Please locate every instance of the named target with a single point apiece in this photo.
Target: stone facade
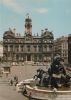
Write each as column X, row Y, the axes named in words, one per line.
column 57, row 47
column 69, row 49
column 61, row 48
column 17, row 48
column 1, row 49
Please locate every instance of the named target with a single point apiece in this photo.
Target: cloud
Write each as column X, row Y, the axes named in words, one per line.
column 13, row 5
column 41, row 10
column 17, row 6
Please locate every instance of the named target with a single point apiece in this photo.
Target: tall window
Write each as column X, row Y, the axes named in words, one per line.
column 6, row 48
column 17, row 57
column 48, row 49
column 17, row 48
column 39, row 48
column 45, row 48
column 28, row 48
column 35, row 48
column 22, row 48
column 11, row 48
column 35, row 58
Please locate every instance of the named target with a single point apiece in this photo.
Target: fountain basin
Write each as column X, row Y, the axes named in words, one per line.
column 43, row 94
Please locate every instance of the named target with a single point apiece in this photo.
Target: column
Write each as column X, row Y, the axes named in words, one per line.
column 26, row 57
column 37, row 48
column 8, row 48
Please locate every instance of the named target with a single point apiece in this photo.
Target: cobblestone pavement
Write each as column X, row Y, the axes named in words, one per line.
column 8, row 92
column 23, row 72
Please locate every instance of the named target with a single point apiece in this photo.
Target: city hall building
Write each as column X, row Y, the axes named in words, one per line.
column 28, row 48
column 69, row 49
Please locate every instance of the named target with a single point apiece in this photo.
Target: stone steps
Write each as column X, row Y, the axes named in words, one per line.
column 4, row 81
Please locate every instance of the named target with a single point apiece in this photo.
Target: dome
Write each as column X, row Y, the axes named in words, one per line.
column 28, row 19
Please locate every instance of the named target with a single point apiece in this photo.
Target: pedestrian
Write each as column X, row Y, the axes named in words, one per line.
column 15, row 82
column 11, row 82
column 15, row 78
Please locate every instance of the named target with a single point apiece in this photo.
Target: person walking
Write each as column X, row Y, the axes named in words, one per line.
column 15, row 80
column 11, row 82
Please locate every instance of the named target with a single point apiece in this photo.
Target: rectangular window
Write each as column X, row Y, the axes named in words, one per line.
column 28, row 48
column 22, row 48
column 17, row 48
column 11, row 48
column 39, row 47
column 35, row 48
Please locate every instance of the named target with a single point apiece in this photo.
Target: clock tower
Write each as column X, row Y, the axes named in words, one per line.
column 28, row 25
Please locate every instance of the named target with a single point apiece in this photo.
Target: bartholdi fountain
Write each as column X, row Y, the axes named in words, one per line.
column 51, row 84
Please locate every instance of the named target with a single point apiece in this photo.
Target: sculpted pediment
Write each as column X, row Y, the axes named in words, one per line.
column 8, row 36
column 28, row 37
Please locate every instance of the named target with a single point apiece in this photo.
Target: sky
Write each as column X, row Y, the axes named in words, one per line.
column 52, row 14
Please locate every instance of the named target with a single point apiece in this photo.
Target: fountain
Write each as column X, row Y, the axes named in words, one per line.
column 52, row 83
